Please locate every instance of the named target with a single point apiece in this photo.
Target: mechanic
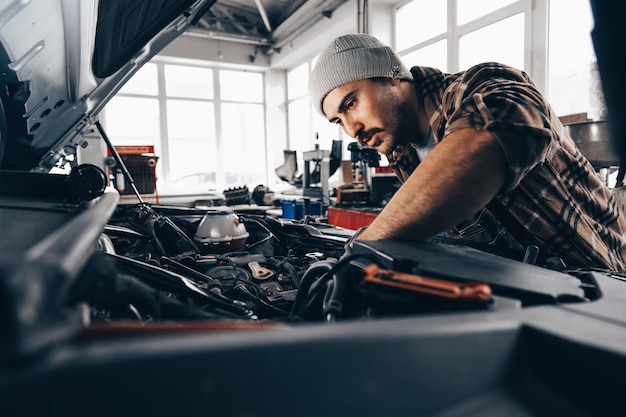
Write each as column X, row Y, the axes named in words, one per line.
column 480, row 153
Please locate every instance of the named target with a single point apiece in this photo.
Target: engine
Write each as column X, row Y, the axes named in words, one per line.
column 172, row 264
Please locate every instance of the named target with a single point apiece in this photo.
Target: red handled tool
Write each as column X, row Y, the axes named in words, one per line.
column 466, row 291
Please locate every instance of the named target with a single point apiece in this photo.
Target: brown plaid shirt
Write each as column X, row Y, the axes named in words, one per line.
column 552, row 197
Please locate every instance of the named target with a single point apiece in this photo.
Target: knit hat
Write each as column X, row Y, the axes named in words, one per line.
column 350, row 58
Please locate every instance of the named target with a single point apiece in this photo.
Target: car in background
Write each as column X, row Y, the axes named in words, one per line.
column 142, row 309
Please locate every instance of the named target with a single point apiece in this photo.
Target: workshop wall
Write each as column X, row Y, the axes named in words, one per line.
column 228, row 53
column 348, row 18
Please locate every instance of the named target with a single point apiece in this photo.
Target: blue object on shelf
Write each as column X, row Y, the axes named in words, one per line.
column 294, row 209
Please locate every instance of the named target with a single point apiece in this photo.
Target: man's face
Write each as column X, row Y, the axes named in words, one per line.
column 370, row 111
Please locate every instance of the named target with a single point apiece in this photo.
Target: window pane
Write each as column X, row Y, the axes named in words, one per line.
column 243, row 133
column 133, row 121
column 419, row 21
column 434, row 55
column 241, row 86
column 468, row 10
column 301, row 137
column 473, row 50
column 193, row 82
column 192, row 148
column 143, row 82
column 573, row 80
column 297, row 81
column 327, row 132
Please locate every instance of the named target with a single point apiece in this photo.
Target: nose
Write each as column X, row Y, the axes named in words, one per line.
column 352, row 127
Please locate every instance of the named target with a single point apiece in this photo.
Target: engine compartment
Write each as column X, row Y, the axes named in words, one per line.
column 153, row 249
column 149, row 267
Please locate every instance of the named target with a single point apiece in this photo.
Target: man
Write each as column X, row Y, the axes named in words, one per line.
column 480, row 153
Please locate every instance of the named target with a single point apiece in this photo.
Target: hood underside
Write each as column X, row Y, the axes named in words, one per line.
column 62, row 60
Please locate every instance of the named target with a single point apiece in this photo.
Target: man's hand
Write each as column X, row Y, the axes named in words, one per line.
column 458, row 178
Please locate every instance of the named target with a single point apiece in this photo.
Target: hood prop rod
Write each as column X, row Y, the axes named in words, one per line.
column 118, row 161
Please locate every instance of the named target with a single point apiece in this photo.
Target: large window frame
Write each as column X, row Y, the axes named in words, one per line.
column 547, row 43
column 535, row 13
column 222, row 179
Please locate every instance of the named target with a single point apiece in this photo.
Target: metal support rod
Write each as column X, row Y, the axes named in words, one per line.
column 118, row 160
column 266, row 21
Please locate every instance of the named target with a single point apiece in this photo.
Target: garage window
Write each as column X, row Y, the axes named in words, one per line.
column 306, row 127
column 549, row 39
column 193, row 115
column 455, row 34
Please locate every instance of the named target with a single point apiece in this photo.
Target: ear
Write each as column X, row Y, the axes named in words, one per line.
column 395, row 81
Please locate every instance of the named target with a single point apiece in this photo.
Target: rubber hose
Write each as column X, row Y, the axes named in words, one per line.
column 336, row 293
column 314, row 272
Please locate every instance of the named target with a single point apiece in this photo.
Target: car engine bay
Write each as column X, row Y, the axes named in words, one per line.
column 156, row 263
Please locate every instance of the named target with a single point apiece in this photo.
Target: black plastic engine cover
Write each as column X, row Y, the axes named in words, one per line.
column 446, row 259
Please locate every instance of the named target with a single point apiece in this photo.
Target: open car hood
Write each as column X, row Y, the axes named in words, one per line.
column 73, row 57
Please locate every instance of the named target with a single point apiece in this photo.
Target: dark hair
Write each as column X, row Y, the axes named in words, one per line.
column 380, row 79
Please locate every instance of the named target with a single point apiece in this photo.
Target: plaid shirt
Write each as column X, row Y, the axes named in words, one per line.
column 552, row 197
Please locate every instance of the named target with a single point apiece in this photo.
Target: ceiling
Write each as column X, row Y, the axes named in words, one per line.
column 269, row 24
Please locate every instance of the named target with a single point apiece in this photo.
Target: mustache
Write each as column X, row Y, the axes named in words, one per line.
column 364, row 135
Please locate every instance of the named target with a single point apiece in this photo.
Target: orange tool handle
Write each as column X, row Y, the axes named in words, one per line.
column 469, row 291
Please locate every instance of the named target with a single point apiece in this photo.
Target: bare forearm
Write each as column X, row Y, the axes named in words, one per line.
column 459, row 177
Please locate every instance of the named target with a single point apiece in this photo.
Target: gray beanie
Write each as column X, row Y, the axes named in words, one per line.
column 350, row 58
